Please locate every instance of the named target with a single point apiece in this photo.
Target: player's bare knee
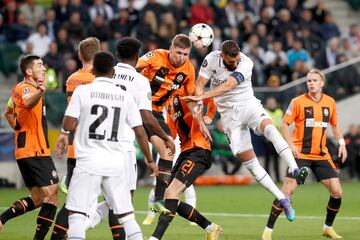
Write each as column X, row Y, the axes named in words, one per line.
column 336, row 193
column 264, row 123
column 246, row 155
column 50, row 194
column 172, row 193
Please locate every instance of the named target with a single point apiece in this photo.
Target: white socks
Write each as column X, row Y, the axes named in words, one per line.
column 76, row 226
column 102, row 211
column 281, row 146
column 263, row 177
column 190, row 196
column 151, row 200
column 131, row 227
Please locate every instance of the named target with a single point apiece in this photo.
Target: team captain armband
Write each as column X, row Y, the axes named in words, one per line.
column 238, row 77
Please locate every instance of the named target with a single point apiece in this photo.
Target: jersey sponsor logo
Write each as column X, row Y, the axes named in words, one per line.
column 310, row 122
column 205, row 63
column 26, row 90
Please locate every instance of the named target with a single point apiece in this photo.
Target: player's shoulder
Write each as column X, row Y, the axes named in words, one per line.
column 300, row 99
column 24, row 88
column 213, row 59
column 328, row 99
column 156, row 54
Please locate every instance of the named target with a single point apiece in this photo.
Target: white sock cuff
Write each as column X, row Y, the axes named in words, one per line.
column 127, row 218
column 76, row 226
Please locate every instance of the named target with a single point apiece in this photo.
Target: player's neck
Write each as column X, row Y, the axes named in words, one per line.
column 30, row 80
column 315, row 96
column 87, row 65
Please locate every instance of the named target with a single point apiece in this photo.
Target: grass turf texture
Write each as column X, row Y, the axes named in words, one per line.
column 248, row 206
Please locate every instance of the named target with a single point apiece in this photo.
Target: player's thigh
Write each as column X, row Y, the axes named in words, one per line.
column 255, row 114
column 131, row 166
column 117, row 193
column 239, row 138
column 323, row 170
column 160, row 147
column 191, row 164
column 84, row 189
column 38, row 171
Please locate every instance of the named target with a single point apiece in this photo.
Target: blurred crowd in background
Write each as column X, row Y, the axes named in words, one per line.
column 284, row 38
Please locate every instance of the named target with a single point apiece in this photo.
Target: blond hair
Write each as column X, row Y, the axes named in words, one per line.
column 318, row 72
column 88, row 47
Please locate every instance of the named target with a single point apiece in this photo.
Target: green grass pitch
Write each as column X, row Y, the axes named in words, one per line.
column 241, row 211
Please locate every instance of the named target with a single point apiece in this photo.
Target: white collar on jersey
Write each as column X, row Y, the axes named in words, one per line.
column 125, row 65
column 104, row 79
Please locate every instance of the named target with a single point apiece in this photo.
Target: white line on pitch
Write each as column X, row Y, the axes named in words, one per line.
column 249, row 215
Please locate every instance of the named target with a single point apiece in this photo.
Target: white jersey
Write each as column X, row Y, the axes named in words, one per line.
column 102, row 111
column 214, row 69
column 138, row 86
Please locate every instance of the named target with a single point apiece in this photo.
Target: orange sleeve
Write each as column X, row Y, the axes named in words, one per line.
column 211, row 107
column 291, row 112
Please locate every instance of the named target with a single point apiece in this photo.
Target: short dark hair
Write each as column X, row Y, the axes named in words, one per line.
column 103, row 63
column 127, row 48
column 181, row 41
column 230, row 48
column 27, row 61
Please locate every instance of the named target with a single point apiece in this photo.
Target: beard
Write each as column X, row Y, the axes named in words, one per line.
column 229, row 67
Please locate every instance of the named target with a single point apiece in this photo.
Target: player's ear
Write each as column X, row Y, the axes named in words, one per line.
column 28, row 71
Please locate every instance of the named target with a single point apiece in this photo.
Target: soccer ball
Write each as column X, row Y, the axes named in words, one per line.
column 201, row 35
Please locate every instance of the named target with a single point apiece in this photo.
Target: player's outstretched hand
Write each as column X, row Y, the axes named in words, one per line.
column 342, row 153
column 41, row 85
column 153, row 168
column 192, row 98
column 205, row 131
column 294, row 151
column 61, row 145
column 171, row 146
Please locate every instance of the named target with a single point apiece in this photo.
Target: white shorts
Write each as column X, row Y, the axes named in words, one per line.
column 237, row 121
column 85, row 187
column 131, row 165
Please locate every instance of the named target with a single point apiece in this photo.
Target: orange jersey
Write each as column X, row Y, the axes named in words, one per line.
column 164, row 78
column 181, row 121
column 31, row 131
column 311, row 121
column 80, row 77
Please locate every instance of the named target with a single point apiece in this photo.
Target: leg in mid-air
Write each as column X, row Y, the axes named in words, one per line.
column 288, row 188
column 190, row 164
column 268, row 129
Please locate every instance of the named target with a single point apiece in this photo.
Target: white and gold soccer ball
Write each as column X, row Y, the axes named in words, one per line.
column 201, row 35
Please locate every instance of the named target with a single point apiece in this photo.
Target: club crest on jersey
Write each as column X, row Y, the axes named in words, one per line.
column 326, row 112
column 150, row 54
column 26, row 90
column 179, row 78
column 205, row 63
